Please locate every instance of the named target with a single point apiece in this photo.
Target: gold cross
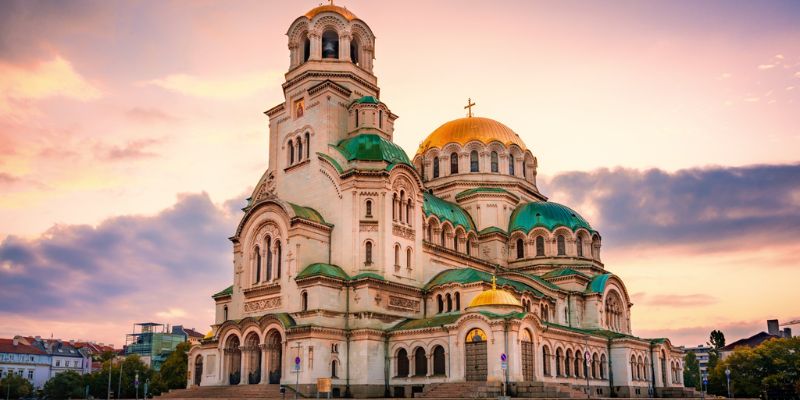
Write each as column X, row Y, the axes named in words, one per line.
column 494, row 282
column 469, row 107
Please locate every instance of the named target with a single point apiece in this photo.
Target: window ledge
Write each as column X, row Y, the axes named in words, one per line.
column 297, row 165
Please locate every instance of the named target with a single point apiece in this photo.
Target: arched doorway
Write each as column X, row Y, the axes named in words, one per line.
column 274, row 356
column 663, row 368
column 233, row 360
column 439, row 361
column 198, row 370
column 253, row 358
column 475, row 355
column 527, row 358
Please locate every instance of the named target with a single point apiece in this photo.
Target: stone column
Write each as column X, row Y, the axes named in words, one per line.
column 242, row 367
column 315, row 40
column 430, row 364
column 264, row 376
column 344, row 47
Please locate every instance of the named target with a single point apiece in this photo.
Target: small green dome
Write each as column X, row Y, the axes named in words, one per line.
column 372, row 147
column 546, row 214
column 366, row 100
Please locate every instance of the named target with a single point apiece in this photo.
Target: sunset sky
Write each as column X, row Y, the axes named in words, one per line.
column 131, row 133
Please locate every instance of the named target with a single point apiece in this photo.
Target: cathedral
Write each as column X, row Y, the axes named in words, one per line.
column 445, row 274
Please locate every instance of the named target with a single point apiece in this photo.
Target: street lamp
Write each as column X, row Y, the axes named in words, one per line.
column 728, row 376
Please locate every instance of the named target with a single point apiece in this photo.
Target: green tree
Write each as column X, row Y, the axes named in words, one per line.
column 15, row 386
column 769, row 370
column 130, row 367
column 716, row 341
column 691, row 371
column 65, row 385
column 173, row 371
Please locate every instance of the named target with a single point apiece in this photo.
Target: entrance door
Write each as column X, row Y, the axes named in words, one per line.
column 475, row 356
column 527, row 355
column 198, row 370
column 275, row 356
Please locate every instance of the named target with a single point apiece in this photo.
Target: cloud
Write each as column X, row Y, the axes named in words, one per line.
column 148, row 115
column 131, row 151
column 693, row 207
column 766, row 66
column 42, row 80
column 216, row 88
column 126, row 269
column 675, row 300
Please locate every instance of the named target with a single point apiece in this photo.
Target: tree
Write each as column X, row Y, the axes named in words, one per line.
column 65, row 385
column 691, row 371
column 769, row 370
column 173, row 370
column 15, row 386
column 130, row 367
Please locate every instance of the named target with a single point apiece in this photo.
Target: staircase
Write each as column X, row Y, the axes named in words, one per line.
column 542, row 390
column 225, row 392
column 680, row 392
column 462, row 390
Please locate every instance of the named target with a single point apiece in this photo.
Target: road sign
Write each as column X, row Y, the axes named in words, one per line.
column 503, row 357
column 588, row 357
column 705, row 381
column 504, row 365
column 727, row 372
column 297, row 360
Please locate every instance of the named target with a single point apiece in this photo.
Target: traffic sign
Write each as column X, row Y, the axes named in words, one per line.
column 503, row 357
column 297, row 360
column 504, row 365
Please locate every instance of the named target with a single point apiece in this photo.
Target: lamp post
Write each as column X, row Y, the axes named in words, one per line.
column 136, row 384
column 728, row 376
column 119, row 382
column 108, row 392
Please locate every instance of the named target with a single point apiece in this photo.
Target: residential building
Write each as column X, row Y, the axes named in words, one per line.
column 152, row 342
column 28, row 361
column 190, row 334
column 701, row 352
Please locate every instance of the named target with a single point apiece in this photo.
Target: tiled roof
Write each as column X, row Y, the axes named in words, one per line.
column 322, row 269
column 224, row 292
column 598, row 283
column 469, row 275
column 193, row 333
column 372, row 147
column 751, row 341
column 308, row 213
column 557, row 273
column 7, row 346
column 446, row 211
column 545, row 214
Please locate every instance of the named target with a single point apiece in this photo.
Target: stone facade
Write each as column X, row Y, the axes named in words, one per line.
column 363, row 263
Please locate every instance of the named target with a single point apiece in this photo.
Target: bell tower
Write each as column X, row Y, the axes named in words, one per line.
column 331, row 54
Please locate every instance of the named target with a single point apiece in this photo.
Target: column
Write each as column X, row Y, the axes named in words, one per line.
column 264, row 376
column 429, row 355
column 344, row 47
column 242, row 367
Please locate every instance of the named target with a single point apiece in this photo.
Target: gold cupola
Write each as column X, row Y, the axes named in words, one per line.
column 495, row 298
column 469, row 129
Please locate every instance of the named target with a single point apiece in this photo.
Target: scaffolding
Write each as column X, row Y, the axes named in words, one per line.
column 153, row 342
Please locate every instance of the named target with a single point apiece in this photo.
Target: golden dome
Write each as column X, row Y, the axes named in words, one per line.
column 209, row 335
column 495, row 297
column 465, row 130
column 331, row 8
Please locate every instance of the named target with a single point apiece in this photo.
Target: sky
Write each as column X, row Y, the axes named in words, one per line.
column 131, row 132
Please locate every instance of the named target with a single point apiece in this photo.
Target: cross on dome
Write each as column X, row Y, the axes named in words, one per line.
column 469, row 106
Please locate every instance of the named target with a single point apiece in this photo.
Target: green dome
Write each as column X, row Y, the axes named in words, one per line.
column 547, row 215
column 372, row 147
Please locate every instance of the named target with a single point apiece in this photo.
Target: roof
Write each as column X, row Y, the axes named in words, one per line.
column 372, row 147
column 224, row 292
column 446, row 211
column 492, row 229
column 557, row 273
column 7, row 346
column 193, row 333
column 330, row 8
column 545, row 214
column 448, row 318
column 494, row 297
column 598, row 283
column 322, row 269
column 484, row 190
column 308, row 213
column 470, row 275
column 465, row 130
column 594, row 332
column 366, row 100
column 372, row 275
column 752, row 341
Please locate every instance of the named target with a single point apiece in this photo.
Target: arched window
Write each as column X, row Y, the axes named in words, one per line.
column 394, row 207
column 268, row 275
column 308, row 145
column 430, row 232
column 546, row 360
column 438, row 361
column 354, row 46
column 458, row 301
column 511, row 165
column 633, row 368
column 380, row 119
column 369, row 208
column 304, row 301
column 368, row 253
column 330, row 44
column 579, row 244
column 614, row 312
column 400, row 205
column 577, row 361
column 443, row 239
column 299, row 149
column 409, row 257
column 539, row 246
column 603, row 366
column 291, row 152
column 520, row 249
column 495, row 166
column 258, row 265
column 455, row 243
column 333, row 369
column 440, row 303
column 402, row 363
column 357, row 113
column 476, row 335
column 449, row 302
column 473, row 161
column 559, row 360
column 408, row 211
column 225, row 313
column 568, row 363
column 279, row 256
column 561, row 245
column 306, row 49
column 469, row 246
column 453, row 164
column 420, row 362
column 524, row 170
column 435, row 167
column 397, row 255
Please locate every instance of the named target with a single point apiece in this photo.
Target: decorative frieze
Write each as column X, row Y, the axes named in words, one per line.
column 403, row 304
column 368, row 226
column 403, row 231
column 260, row 305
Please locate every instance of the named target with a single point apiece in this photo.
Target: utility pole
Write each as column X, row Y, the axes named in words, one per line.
column 119, row 382
column 297, row 361
column 108, row 392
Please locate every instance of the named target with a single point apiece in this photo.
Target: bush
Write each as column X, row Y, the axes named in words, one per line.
column 65, row 385
column 15, row 386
